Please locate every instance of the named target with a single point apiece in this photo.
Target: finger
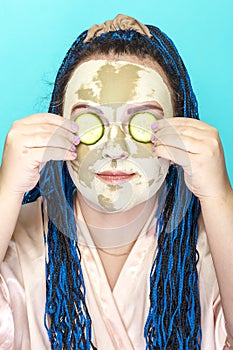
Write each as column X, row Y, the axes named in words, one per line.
column 48, row 118
column 175, row 155
column 45, row 140
column 44, row 154
column 184, row 143
column 180, row 121
column 41, row 166
column 190, row 131
column 46, row 130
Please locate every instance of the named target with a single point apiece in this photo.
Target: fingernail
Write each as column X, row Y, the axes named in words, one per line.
column 74, row 127
column 154, row 146
column 73, row 147
column 154, row 141
column 152, row 137
column 154, row 125
column 74, row 154
column 76, row 140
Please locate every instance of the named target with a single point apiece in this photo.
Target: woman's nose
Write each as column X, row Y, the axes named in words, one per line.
column 115, row 147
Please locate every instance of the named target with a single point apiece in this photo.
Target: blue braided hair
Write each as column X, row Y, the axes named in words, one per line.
column 173, row 320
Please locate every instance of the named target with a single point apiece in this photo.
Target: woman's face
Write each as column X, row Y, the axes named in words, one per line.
column 117, row 172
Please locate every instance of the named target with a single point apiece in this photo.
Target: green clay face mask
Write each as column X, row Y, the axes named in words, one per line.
column 108, row 82
column 114, row 101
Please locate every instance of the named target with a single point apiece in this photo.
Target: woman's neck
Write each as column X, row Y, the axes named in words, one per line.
column 111, row 230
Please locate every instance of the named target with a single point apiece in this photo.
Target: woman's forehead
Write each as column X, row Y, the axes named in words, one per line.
column 104, row 81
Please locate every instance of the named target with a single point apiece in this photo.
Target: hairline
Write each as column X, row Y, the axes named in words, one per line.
column 142, row 60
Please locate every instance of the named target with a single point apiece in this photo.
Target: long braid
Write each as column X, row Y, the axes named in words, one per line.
column 174, row 316
column 66, row 312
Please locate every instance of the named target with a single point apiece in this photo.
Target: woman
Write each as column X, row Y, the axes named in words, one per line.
column 128, row 265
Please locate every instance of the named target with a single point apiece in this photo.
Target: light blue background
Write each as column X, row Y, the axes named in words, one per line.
column 35, row 35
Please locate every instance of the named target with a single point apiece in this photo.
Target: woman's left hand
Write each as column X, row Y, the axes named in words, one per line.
column 195, row 146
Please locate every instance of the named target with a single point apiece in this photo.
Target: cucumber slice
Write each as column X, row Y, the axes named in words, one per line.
column 91, row 128
column 140, row 126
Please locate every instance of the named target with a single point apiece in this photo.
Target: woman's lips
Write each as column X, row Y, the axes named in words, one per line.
column 115, row 177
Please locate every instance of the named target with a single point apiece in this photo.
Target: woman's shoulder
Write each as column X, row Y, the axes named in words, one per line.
column 27, row 242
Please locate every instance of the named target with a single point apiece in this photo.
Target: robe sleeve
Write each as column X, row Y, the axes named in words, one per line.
column 220, row 329
column 6, row 318
column 214, row 334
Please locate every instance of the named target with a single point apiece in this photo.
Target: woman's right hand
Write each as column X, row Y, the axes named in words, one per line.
column 30, row 143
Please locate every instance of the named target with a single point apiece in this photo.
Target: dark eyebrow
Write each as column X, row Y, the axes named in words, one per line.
column 144, row 107
column 78, row 106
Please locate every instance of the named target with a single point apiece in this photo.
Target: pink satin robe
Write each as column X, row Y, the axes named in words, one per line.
column 118, row 316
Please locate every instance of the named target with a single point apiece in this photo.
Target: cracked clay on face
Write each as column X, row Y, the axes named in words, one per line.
column 116, row 173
